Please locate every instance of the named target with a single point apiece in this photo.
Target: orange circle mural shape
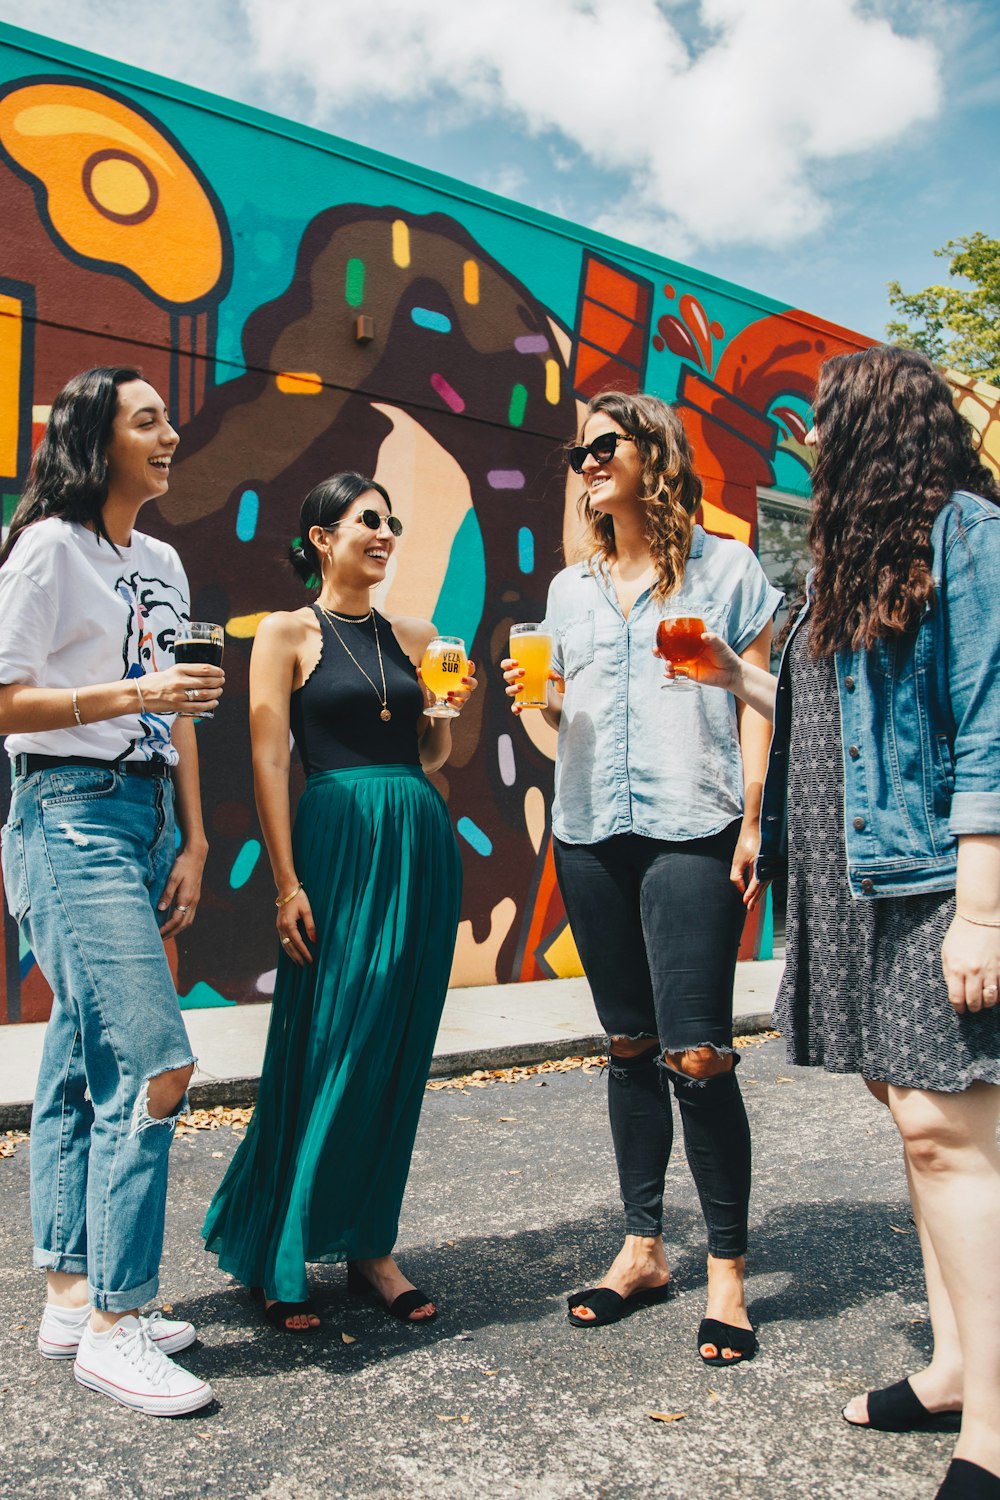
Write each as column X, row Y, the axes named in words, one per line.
column 116, row 189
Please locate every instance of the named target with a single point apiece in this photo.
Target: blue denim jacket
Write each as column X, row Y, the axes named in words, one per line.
column 920, row 725
column 633, row 756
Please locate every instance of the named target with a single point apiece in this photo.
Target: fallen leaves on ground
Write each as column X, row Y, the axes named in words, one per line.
column 667, row 1416
column 481, row 1078
column 348, row 1338
column 223, row 1116
column 219, row 1117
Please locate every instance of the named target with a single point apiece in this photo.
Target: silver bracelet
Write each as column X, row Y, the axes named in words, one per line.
column 142, row 706
column 974, row 921
column 76, row 708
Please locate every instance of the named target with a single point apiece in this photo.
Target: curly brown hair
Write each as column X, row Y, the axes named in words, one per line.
column 891, row 450
column 670, row 489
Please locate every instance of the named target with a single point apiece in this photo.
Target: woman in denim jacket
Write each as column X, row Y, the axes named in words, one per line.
column 102, row 745
column 884, row 788
column 655, row 830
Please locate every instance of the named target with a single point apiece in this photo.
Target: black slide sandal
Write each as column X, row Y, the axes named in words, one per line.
column 609, row 1306
column 897, row 1408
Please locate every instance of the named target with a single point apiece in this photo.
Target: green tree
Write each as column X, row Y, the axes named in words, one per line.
column 956, row 325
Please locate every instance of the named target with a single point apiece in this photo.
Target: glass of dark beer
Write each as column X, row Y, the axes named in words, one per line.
column 199, row 641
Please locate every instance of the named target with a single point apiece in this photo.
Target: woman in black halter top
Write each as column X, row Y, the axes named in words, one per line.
column 368, row 886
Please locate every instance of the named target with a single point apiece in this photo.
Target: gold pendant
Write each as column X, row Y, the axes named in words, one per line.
column 385, row 716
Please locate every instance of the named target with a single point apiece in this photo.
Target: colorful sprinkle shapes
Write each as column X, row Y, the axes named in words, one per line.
column 299, row 382
column 552, row 382
column 505, row 479
column 354, row 282
column 526, row 550
column 518, row 405
column 246, row 515
column 505, row 760
column 532, row 343
column 474, row 836
column 425, row 317
column 244, row 864
column 470, row 282
column 401, row 242
column 448, row 393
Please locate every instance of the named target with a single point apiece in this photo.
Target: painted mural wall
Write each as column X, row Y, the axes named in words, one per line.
column 306, row 306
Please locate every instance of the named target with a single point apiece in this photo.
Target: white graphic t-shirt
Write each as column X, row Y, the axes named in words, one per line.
column 75, row 611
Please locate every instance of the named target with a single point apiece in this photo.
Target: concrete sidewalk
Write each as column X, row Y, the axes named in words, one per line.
column 488, row 1026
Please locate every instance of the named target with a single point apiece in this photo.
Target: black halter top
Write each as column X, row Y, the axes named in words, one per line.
column 335, row 714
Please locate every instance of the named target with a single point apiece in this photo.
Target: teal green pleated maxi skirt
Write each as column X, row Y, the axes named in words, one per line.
column 321, row 1172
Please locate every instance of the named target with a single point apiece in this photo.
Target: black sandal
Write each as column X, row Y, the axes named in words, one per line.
column 741, row 1342
column 609, row 1306
column 277, row 1313
column 898, row 1408
column 400, row 1307
column 968, row 1481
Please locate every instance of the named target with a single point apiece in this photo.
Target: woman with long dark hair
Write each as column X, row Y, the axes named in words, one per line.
column 884, row 791
column 96, row 716
column 655, row 830
column 368, row 884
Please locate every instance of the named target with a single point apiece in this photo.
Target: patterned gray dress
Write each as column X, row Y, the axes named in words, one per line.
column 862, row 990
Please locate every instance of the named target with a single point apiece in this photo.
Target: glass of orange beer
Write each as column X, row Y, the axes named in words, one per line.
column 531, row 648
column 442, row 667
column 678, row 640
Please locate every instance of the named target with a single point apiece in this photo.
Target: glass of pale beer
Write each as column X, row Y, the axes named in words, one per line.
column 531, row 648
column 442, row 667
column 679, row 641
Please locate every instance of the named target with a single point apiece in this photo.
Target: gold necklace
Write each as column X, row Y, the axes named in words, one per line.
column 385, row 715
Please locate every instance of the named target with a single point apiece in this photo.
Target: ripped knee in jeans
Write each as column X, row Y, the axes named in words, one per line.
column 169, row 1096
column 699, row 1064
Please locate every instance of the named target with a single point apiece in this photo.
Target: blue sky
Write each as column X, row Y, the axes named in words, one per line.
column 809, row 149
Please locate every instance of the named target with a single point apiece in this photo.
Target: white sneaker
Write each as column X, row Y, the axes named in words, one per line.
column 126, row 1365
column 62, row 1328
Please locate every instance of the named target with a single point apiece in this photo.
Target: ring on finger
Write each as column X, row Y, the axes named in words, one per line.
column 181, row 908
column 286, row 941
column 990, row 989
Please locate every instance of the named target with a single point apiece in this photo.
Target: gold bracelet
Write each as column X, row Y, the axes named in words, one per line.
column 76, row 708
column 284, row 900
column 974, row 921
column 142, row 706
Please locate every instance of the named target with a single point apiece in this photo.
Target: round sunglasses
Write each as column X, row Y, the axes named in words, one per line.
column 601, row 450
column 373, row 521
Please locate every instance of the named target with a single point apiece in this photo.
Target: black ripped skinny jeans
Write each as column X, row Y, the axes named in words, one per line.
column 657, row 925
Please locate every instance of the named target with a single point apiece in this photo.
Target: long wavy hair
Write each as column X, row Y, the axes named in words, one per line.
column 69, row 472
column 325, row 503
column 669, row 487
column 891, row 449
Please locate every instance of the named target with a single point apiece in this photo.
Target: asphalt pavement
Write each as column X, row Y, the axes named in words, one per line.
column 512, row 1203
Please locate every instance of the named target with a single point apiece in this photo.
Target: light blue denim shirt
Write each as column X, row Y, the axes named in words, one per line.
column 634, row 756
column 920, row 725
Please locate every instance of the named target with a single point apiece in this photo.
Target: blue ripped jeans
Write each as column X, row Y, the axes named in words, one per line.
column 657, row 926
column 86, row 855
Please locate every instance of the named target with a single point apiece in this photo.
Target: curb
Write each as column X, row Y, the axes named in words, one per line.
column 241, row 1093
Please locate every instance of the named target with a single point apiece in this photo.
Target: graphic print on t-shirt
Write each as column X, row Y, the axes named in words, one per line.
column 155, row 609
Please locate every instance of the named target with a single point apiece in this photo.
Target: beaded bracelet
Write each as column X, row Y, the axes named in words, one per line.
column 284, row 900
column 975, row 922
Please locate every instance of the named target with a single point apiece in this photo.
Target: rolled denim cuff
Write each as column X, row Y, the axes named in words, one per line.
column 123, row 1302
column 57, row 1260
column 974, row 812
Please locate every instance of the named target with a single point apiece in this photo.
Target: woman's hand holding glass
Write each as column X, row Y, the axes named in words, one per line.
column 191, row 690
column 716, row 666
column 513, row 676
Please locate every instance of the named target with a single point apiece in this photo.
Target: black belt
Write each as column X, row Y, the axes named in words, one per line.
column 26, row 765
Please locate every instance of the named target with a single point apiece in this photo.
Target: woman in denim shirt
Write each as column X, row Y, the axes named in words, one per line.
column 655, row 829
column 884, row 786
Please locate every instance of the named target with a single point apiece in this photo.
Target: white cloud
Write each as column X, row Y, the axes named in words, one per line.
column 709, row 145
